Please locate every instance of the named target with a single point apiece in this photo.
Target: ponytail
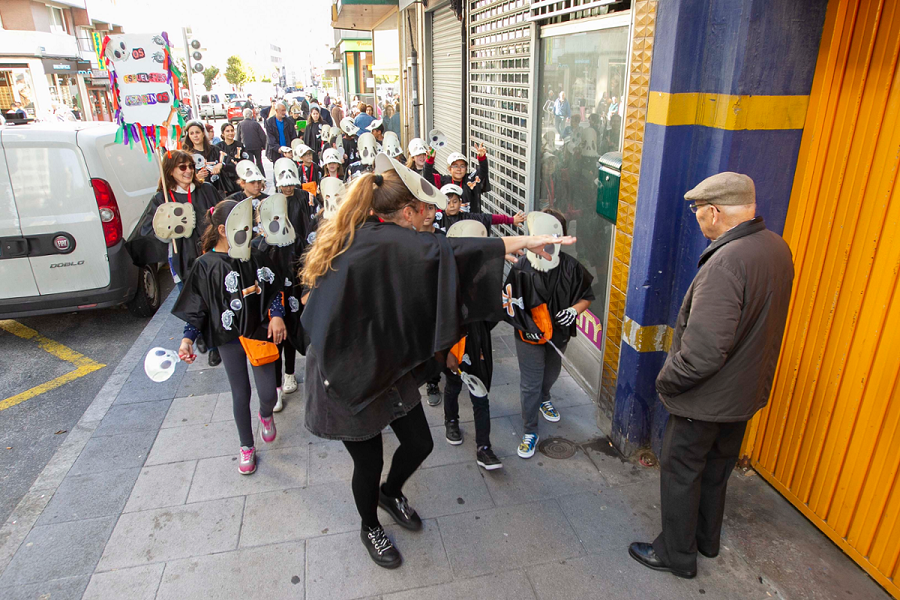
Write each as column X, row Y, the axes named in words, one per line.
column 218, row 215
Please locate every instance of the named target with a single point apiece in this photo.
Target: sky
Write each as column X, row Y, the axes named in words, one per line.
column 302, row 28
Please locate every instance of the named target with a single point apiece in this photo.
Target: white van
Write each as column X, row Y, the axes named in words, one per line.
column 69, row 198
column 213, row 106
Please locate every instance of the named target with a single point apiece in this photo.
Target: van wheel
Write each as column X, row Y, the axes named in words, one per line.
column 147, row 297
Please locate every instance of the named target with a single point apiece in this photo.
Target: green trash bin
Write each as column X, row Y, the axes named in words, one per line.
column 609, row 168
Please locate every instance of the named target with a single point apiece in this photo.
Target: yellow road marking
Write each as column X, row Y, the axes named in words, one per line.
column 83, row 364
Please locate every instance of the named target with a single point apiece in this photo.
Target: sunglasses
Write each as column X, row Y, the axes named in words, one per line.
column 185, row 167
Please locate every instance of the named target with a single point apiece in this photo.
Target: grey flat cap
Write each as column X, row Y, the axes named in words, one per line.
column 724, row 189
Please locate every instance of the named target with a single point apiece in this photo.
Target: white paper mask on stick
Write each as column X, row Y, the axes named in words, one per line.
column 332, row 194
column 248, row 171
column 541, row 223
column 286, row 172
column 368, row 148
column 475, row 385
column 392, row 145
column 436, row 139
column 159, row 364
column 173, row 220
column 467, row 229
column 199, row 162
column 273, row 221
column 238, row 229
column 117, row 50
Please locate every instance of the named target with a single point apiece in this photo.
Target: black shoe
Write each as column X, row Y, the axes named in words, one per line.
column 214, row 359
column 646, row 555
column 487, row 460
column 453, row 434
column 708, row 554
column 400, row 509
column 201, row 345
column 434, row 394
column 380, row 547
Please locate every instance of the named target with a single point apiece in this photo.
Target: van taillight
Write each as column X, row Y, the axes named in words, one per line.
column 109, row 212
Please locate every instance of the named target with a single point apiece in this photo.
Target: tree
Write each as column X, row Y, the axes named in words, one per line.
column 236, row 73
column 209, row 76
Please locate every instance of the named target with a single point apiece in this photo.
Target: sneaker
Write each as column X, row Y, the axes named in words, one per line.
column 453, row 434
column 380, row 548
column 290, row 384
column 434, row 394
column 550, row 413
column 247, row 464
column 214, row 359
column 487, row 460
column 268, row 429
column 279, row 404
column 526, row 448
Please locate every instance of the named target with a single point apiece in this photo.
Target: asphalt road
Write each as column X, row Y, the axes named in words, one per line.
column 31, row 431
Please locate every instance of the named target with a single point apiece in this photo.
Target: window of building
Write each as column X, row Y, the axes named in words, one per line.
column 57, row 20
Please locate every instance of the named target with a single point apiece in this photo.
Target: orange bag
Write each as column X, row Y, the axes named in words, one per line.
column 310, row 187
column 541, row 316
column 259, row 352
column 459, row 349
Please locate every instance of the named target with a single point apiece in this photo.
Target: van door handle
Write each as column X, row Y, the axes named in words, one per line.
column 13, row 247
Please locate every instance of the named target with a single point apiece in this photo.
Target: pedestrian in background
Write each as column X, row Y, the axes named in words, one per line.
column 251, row 137
column 719, row 370
column 363, row 119
column 281, row 130
column 561, row 111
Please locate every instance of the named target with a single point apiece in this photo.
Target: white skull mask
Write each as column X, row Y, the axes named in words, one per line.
column 331, row 156
column 325, row 133
column 199, row 163
column 589, row 142
column 332, row 195
column 239, row 230
column 299, row 149
column 475, row 385
column 286, row 172
column 417, row 146
column 159, row 364
column 392, row 145
column 348, row 126
column 274, row 223
column 436, row 139
column 248, row 171
column 368, row 148
column 173, row 220
column 541, row 223
column 117, row 50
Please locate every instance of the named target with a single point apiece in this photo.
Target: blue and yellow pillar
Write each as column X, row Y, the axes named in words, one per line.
column 728, row 91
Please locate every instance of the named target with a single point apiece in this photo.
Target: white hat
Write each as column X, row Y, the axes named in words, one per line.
column 348, row 126
column 248, row 171
column 374, row 125
column 415, row 183
column 452, row 188
column 417, row 146
column 331, row 156
column 467, row 228
column 455, row 156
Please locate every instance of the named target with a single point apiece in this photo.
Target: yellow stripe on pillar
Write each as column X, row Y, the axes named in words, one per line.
column 652, row 338
column 724, row 111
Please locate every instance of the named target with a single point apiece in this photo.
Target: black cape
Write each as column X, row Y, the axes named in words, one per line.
column 226, row 298
column 478, row 358
column 147, row 249
column 392, row 300
column 558, row 288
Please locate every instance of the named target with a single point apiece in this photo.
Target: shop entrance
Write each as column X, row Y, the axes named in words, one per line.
column 100, row 104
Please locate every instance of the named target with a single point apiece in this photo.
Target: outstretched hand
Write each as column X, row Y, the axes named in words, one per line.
column 519, row 218
column 537, row 243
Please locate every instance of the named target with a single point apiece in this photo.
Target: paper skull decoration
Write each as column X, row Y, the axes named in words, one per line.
column 299, row 149
column 541, row 223
column 392, row 145
column 199, row 163
column 273, row 221
column 159, row 364
column 331, row 156
column 325, row 134
column 286, row 172
column 336, row 134
column 348, row 127
column 368, row 148
column 332, row 194
column 248, row 171
column 117, row 50
column 173, row 220
column 239, row 230
column 467, row 229
column 417, row 146
column 420, row 187
column 436, row 139
column 589, row 142
column 475, row 385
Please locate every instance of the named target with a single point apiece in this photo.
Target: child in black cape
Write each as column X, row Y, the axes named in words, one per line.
column 474, row 185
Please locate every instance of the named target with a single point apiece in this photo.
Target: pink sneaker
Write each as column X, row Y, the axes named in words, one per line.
column 268, row 429
column 247, row 464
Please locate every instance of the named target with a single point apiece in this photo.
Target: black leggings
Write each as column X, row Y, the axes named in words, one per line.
column 368, row 460
column 235, row 361
column 288, row 354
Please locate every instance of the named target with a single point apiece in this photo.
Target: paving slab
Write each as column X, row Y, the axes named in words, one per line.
column 425, row 564
column 329, row 460
column 447, row 490
column 139, row 388
column 272, row 572
column 136, row 583
column 224, row 410
column 615, row 468
column 300, row 513
column 510, row 585
column 161, row 486
column 203, row 382
column 291, row 431
column 133, row 418
column 577, row 424
column 192, row 411
column 178, row 444
column 58, row 551
column 170, row 533
column 67, row 453
column 526, row 480
column 113, row 453
column 70, row 588
column 90, row 496
column 500, row 539
column 276, row 469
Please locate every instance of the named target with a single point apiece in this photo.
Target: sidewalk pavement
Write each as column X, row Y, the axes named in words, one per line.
column 143, row 500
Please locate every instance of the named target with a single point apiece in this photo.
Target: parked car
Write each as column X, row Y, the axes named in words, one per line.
column 69, row 198
column 213, row 106
column 236, row 110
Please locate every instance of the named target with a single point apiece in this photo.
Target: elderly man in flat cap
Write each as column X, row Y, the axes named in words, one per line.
column 719, row 369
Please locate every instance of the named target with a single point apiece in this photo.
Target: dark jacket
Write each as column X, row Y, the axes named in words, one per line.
column 728, row 334
column 273, row 142
column 473, row 185
column 250, row 135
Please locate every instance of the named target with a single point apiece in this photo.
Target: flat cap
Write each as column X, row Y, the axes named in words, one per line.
column 724, row 189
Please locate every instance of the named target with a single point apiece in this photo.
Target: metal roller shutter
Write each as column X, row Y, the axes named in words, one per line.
column 446, row 89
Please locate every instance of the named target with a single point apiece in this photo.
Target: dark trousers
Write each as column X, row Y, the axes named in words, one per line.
column 256, row 157
column 696, row 461
column 539, row 367
column 235, row 361
column 481, row 407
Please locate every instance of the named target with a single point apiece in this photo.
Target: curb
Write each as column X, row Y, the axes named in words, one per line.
column 27, row 511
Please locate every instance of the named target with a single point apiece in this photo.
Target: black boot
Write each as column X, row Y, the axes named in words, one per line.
column 400, row 509
column 214, row 358
column 380, row 547
column 201, row 345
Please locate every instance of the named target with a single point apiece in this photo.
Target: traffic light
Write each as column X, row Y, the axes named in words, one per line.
column 196, row 55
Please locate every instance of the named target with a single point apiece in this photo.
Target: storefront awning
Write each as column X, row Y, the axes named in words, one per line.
column 361, row 15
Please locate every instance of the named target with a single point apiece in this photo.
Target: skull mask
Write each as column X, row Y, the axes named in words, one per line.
column 199, row 163
column 117, row 50
column 417, row 147
column 368, row 148
column 299, row 149
column 348, row 127
column 286, row 172
column 331, row 156
column 325, row 134
column 159, row 364
column 332, row 195
column 248, row 171
column 589, row 142
column 436, row 139
column 475, row 385
column 238, row 230
column 392, row 145
column 467, row 229
column 174, row 220
column 273, row 221
column 540, row 223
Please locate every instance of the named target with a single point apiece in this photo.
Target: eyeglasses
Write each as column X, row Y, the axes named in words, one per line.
column 695, row 207
column 185, row 167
